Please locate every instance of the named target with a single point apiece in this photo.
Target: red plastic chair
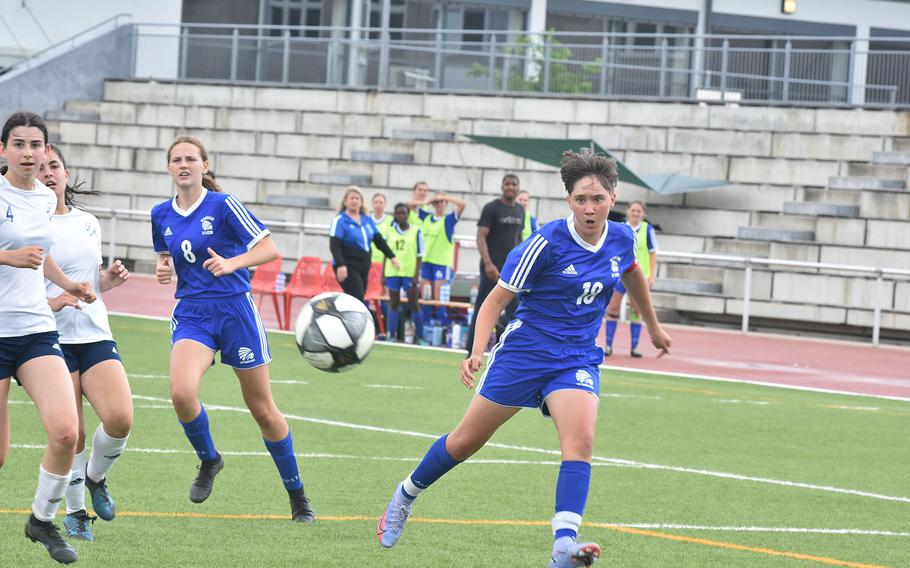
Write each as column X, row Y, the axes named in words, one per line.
column 306, row 282
column 374, row 292
column 264, row 283
column 329, row 282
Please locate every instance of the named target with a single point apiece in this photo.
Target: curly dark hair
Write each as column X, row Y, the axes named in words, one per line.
column 574, row 166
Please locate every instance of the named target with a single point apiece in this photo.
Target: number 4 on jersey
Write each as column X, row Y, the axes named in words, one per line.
column 589, row 292
column 9, row 213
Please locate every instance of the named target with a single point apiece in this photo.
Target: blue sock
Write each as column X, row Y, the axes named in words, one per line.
column 426, row 312
column 571, row 496
column 436, row 463
column 393, row 324
column 283, row 453
column 442, row 314
column 635, row 331
column 611, row 331
column 197, row 431
column 417, row 316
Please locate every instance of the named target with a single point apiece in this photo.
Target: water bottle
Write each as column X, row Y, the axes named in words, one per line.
column 427, row 293
column 473, row 296
column 409, row 332
column 445, row 292
column 436, row 339
column 455, row 338
column 470, row 316
column 281, row 282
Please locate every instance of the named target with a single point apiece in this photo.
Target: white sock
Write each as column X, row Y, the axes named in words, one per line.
column 75, row 490
column 105, row 451
column 51, row 488
column 410, row 488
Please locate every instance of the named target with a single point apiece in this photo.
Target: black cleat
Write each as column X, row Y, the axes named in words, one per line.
column 635, row 353
column 48, row 534
column 102, row 502
column 202, row 485
column 300, row 507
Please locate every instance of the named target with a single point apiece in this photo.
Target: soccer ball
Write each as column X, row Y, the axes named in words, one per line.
column 334, row 332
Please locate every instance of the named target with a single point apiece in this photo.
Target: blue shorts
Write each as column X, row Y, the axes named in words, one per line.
column 434, row 272
column 16, row 351
column 398, row 283
column 526, row 366
column 231, row 325
column 619, row 288
column 83, row 356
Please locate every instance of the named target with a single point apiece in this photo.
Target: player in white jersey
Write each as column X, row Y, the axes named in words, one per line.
column 563, row 275
column 29, row 345
column 88, row 348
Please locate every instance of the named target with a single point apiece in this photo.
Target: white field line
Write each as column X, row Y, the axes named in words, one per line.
column 614, row 368
column 664, row 526
column 636, row 396
column 738, row 401
column 398, row 387
column 613, row 461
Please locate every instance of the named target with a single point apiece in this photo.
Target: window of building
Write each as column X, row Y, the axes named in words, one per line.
column 295, row 13
column 396, row 18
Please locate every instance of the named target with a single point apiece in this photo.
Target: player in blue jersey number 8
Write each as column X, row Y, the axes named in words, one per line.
column 211, row 239
column 563, row 274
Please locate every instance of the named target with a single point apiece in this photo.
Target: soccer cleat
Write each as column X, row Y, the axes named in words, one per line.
column 391, row 525
column 635, row 353
column 102, row 502
column 48, row 534
column 77, row 525
column 300, row 507
column 569, row 554
column 202, row 485
column 608, row 350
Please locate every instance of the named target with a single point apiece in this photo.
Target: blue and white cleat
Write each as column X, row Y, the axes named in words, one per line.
column 102, row 502
column 391, row 525
column 78, row 525
column 569, row 554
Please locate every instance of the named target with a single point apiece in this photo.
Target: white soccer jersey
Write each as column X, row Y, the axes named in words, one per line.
column 77, row 250
column 25, row 221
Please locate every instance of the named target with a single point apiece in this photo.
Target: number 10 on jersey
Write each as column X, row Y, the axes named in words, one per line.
column 590, row 290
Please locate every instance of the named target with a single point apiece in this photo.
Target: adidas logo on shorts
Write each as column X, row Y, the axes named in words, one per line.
column 246, row 355
column 570, row 270
column 57, row 347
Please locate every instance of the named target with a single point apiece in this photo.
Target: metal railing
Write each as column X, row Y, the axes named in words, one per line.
column 791, row 70
column 747, row 263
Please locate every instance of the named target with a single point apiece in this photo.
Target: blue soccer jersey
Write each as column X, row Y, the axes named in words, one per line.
column 563, row 282
column 217, row 221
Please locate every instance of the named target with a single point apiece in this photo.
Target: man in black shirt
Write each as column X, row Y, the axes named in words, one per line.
column 498, row 232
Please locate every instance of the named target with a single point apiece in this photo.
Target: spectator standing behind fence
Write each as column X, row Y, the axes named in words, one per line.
column 498, row 232
column 439, row 232
column 530, row 224
column 382, row 221
column 646, row 253
column 350, row 237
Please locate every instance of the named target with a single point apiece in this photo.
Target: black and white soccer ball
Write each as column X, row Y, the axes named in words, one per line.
column 334, row 332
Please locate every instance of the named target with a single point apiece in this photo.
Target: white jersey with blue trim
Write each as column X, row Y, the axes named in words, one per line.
column 25, row 220
column 565, row 283
column 217, row 221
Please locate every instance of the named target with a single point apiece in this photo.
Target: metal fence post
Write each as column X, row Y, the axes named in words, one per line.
column 384, row 39
column 113, row 238
column 184, row 48
column 747, row 292
column 330, row 54
column 663, row 67
column 286, row 57
column 547, row 52
column 604, row 53
column 786, row 94
column 235, row 46
column 437, row 62
column 877, row 306
column 723, row 67
column 491, row 63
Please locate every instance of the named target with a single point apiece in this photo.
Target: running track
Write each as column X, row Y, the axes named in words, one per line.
column 787, row 360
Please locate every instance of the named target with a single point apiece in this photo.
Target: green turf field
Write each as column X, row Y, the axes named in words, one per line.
column 683, row 467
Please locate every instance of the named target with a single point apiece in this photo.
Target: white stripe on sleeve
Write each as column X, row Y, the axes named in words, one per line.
column 524, row 258
column 242, row 216
column 333, row 231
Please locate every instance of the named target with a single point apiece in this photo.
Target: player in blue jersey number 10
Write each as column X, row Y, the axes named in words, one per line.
column 211, row 239
column 547, row 358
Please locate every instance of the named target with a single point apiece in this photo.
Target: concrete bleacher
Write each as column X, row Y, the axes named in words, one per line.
column 817, row 185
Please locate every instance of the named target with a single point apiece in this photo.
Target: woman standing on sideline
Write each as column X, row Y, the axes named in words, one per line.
column 29, row 344
column 547, row 358
column 646, row 252
column 383, row 221
column 439, row 231
column 210, row 239
column 407, row 241
column 350, row 237
column 530, row 225
column 88, row 348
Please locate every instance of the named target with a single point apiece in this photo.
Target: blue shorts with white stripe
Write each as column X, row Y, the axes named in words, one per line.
column 526, row 366
column 231, row 325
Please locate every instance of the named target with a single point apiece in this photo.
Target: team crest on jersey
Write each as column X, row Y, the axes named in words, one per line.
column 90, row 229
column 207, row 228
column 246, row 355
column 584, row 379
column 614, row 265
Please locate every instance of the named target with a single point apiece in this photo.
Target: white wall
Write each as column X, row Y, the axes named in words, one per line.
column 61, row 19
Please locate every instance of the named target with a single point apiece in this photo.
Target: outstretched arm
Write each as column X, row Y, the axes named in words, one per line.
column 263, row 251
column 637, row 287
